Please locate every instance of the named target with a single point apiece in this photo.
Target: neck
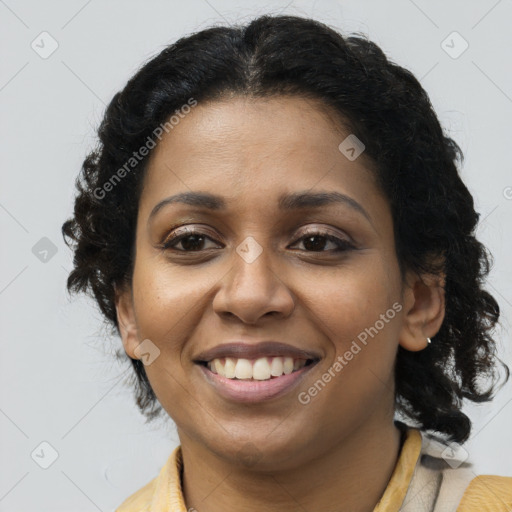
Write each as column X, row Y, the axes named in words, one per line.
column 351, row 477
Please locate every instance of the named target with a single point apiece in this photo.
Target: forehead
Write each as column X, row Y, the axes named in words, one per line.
column 272, row 126
column 257, row 149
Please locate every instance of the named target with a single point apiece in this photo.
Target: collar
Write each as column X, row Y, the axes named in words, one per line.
column 164, row 493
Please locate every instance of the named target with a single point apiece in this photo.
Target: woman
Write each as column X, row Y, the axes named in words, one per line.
column 275, row 225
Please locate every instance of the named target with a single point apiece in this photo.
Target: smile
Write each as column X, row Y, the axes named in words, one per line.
column 264, row 368
column 246, row 387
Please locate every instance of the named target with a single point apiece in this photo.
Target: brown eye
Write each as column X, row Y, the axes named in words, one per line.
column 317, row 241
column 190, row 240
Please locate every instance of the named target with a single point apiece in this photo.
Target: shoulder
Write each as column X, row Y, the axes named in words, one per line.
column 445, row 481
column 482, row 493
column 163, row 492
column 140, row 501
column 487, row 493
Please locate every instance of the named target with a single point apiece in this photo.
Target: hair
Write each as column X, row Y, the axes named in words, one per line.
column 415, row 167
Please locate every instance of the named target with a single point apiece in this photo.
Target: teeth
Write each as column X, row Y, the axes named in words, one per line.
column 219, row 367
column 276, row 367
column 243, row 369
column 229, row 368
column 288, row 365
column 263, row 368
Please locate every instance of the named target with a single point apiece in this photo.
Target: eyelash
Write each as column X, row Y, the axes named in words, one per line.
column 343, row 245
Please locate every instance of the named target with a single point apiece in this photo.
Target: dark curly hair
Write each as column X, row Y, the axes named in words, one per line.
column 415, row 167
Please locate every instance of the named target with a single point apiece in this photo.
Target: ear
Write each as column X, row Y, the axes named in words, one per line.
column 424, row 309
column 126, row 319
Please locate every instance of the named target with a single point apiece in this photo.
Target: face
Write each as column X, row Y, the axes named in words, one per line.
column 295, row 246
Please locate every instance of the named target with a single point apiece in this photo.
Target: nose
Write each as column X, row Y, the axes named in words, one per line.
column 252, row 290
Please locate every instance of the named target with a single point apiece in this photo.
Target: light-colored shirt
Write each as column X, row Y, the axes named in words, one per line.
column 428, row 477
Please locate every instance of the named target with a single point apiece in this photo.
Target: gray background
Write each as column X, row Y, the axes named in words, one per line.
column 59, row 382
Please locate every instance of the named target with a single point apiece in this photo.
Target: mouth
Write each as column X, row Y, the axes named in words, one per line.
column 263, row 368
column 255, row 372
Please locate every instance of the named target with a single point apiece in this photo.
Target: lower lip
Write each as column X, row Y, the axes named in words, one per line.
column 254, row 390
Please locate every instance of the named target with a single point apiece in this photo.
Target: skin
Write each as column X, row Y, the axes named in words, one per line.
column 338, row 452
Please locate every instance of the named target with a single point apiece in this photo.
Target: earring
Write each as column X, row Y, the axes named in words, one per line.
column 429, row 340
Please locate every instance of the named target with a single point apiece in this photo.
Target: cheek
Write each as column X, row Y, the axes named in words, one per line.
column 353, row 300
column 359, row 313
column 170, row 302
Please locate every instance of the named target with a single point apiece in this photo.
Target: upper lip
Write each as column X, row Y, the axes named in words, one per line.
column 239, row 350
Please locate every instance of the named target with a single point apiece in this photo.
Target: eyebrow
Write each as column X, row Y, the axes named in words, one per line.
column 286, row 202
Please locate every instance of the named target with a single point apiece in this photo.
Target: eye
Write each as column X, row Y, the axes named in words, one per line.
column 316, row 241
column 190, row 240
column 195, row 241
